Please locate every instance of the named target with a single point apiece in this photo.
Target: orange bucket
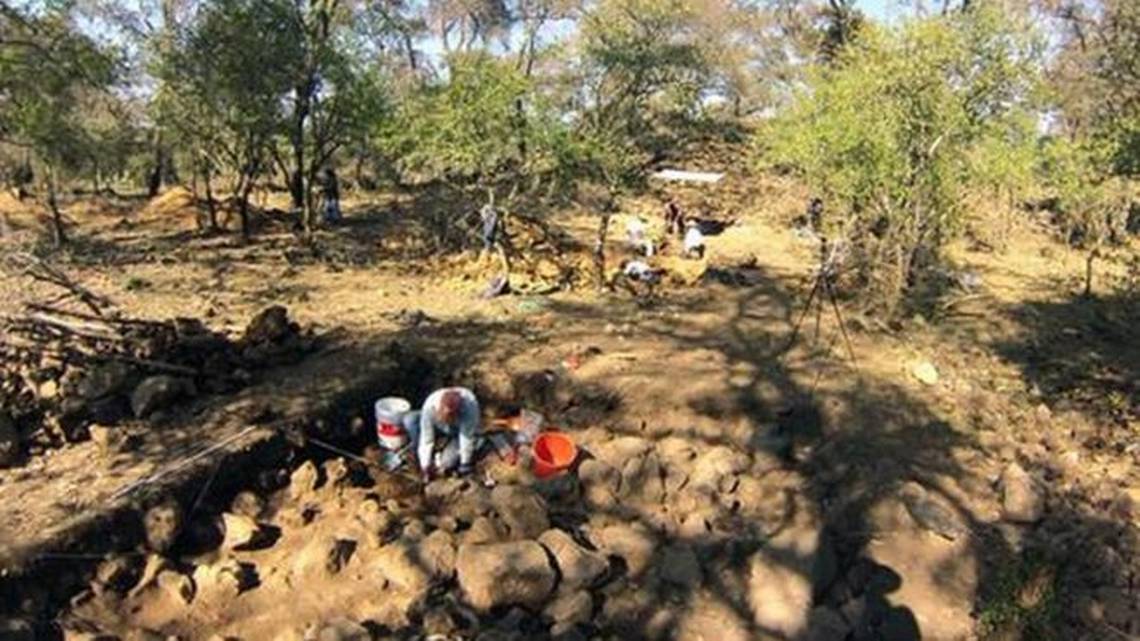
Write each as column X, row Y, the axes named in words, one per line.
column 554, row 452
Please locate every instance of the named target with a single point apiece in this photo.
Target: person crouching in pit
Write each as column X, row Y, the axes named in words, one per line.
column 444, row 431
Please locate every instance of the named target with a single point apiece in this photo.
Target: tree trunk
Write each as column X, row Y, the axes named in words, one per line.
column 243, row 206
column 59, row 235
column 211, row 208
column 1089, row 272
column 154, row 181
column 297, row 185
column 600, row 246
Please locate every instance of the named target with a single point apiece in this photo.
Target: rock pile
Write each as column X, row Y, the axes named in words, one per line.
column 649, row 539
column 68, row 375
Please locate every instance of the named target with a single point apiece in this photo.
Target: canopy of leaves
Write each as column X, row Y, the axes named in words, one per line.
column 1092, row 202
column 46, row 70
column 226, row 76
column 897, row 129
column 482, row 123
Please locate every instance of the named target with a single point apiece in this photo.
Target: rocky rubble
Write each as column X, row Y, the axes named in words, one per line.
column 521, row 559
column 665, row 540
column 68, row 375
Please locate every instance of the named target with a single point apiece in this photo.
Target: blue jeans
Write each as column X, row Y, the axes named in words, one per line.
column 445, row 458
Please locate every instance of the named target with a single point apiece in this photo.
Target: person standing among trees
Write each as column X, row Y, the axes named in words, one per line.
column 674, row 218
column 332, row 197
column 489, row 217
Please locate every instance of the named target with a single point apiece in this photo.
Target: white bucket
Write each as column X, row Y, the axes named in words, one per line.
column 390, row 413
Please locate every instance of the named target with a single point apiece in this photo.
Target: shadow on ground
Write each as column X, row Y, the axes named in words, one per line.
column 872, row 515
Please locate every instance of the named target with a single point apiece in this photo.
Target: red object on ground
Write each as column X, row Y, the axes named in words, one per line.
column 554, row 452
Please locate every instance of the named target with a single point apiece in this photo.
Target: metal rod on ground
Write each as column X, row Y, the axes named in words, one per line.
column 131, row 487
column 336, row 450
column 206, row 487
column 842, row 326
column 803, row 314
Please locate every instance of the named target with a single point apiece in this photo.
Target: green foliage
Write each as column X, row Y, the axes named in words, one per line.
column 900, row 127
column 641, row 58
column 1092, row 202
column 225, row 77
column 1023, row 600
column 469, row 127
column 46, row 71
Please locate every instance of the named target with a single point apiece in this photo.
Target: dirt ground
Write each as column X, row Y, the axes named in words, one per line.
column 969, row 475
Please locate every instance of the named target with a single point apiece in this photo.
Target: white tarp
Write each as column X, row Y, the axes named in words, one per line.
column 688, row 176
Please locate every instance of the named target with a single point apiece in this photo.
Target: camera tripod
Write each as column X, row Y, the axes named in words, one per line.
column 824, row 286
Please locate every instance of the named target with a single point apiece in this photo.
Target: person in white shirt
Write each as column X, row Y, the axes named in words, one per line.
column 694, row 240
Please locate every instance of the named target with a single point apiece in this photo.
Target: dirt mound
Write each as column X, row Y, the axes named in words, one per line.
column 174, row 207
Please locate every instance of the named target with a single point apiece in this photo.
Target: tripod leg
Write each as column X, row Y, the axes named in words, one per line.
column 803, row 314
column 842, row 325
column 818, row 321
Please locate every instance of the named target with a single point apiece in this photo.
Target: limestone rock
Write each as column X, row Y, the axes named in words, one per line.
column 579, row 567
column 221, row 581
column 303, row 480
column 709, row 617
column 925, row 372
column 641, row 479
column 618, row 451
column 1021, row 500
column 325, row 554
column 675, row 450
column 436, row 553
column 679, row 566
column 271, row 325
column 482, row 530
column 336, row 472
column 163, row 524
column 570, row 607
column 158, row 393
column 521, row 509
column 399, row 568
column 626, row 608
column 567, row 632
column 248, row 504
column 105, row 380
column 632, row 542
column 176, row 585
column 497, row 574
column 460, row 499
column 239, row 530
column 108, row 440
column 342, row 630
column 714, row 464
column 376, row 522
column 48, row 390
column 600, row 482
column 932, row 512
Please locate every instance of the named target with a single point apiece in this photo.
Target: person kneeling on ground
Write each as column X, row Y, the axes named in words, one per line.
column 694, row 240
column 444, row 431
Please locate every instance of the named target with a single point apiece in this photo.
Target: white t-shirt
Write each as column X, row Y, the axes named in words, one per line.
column 694, row 239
